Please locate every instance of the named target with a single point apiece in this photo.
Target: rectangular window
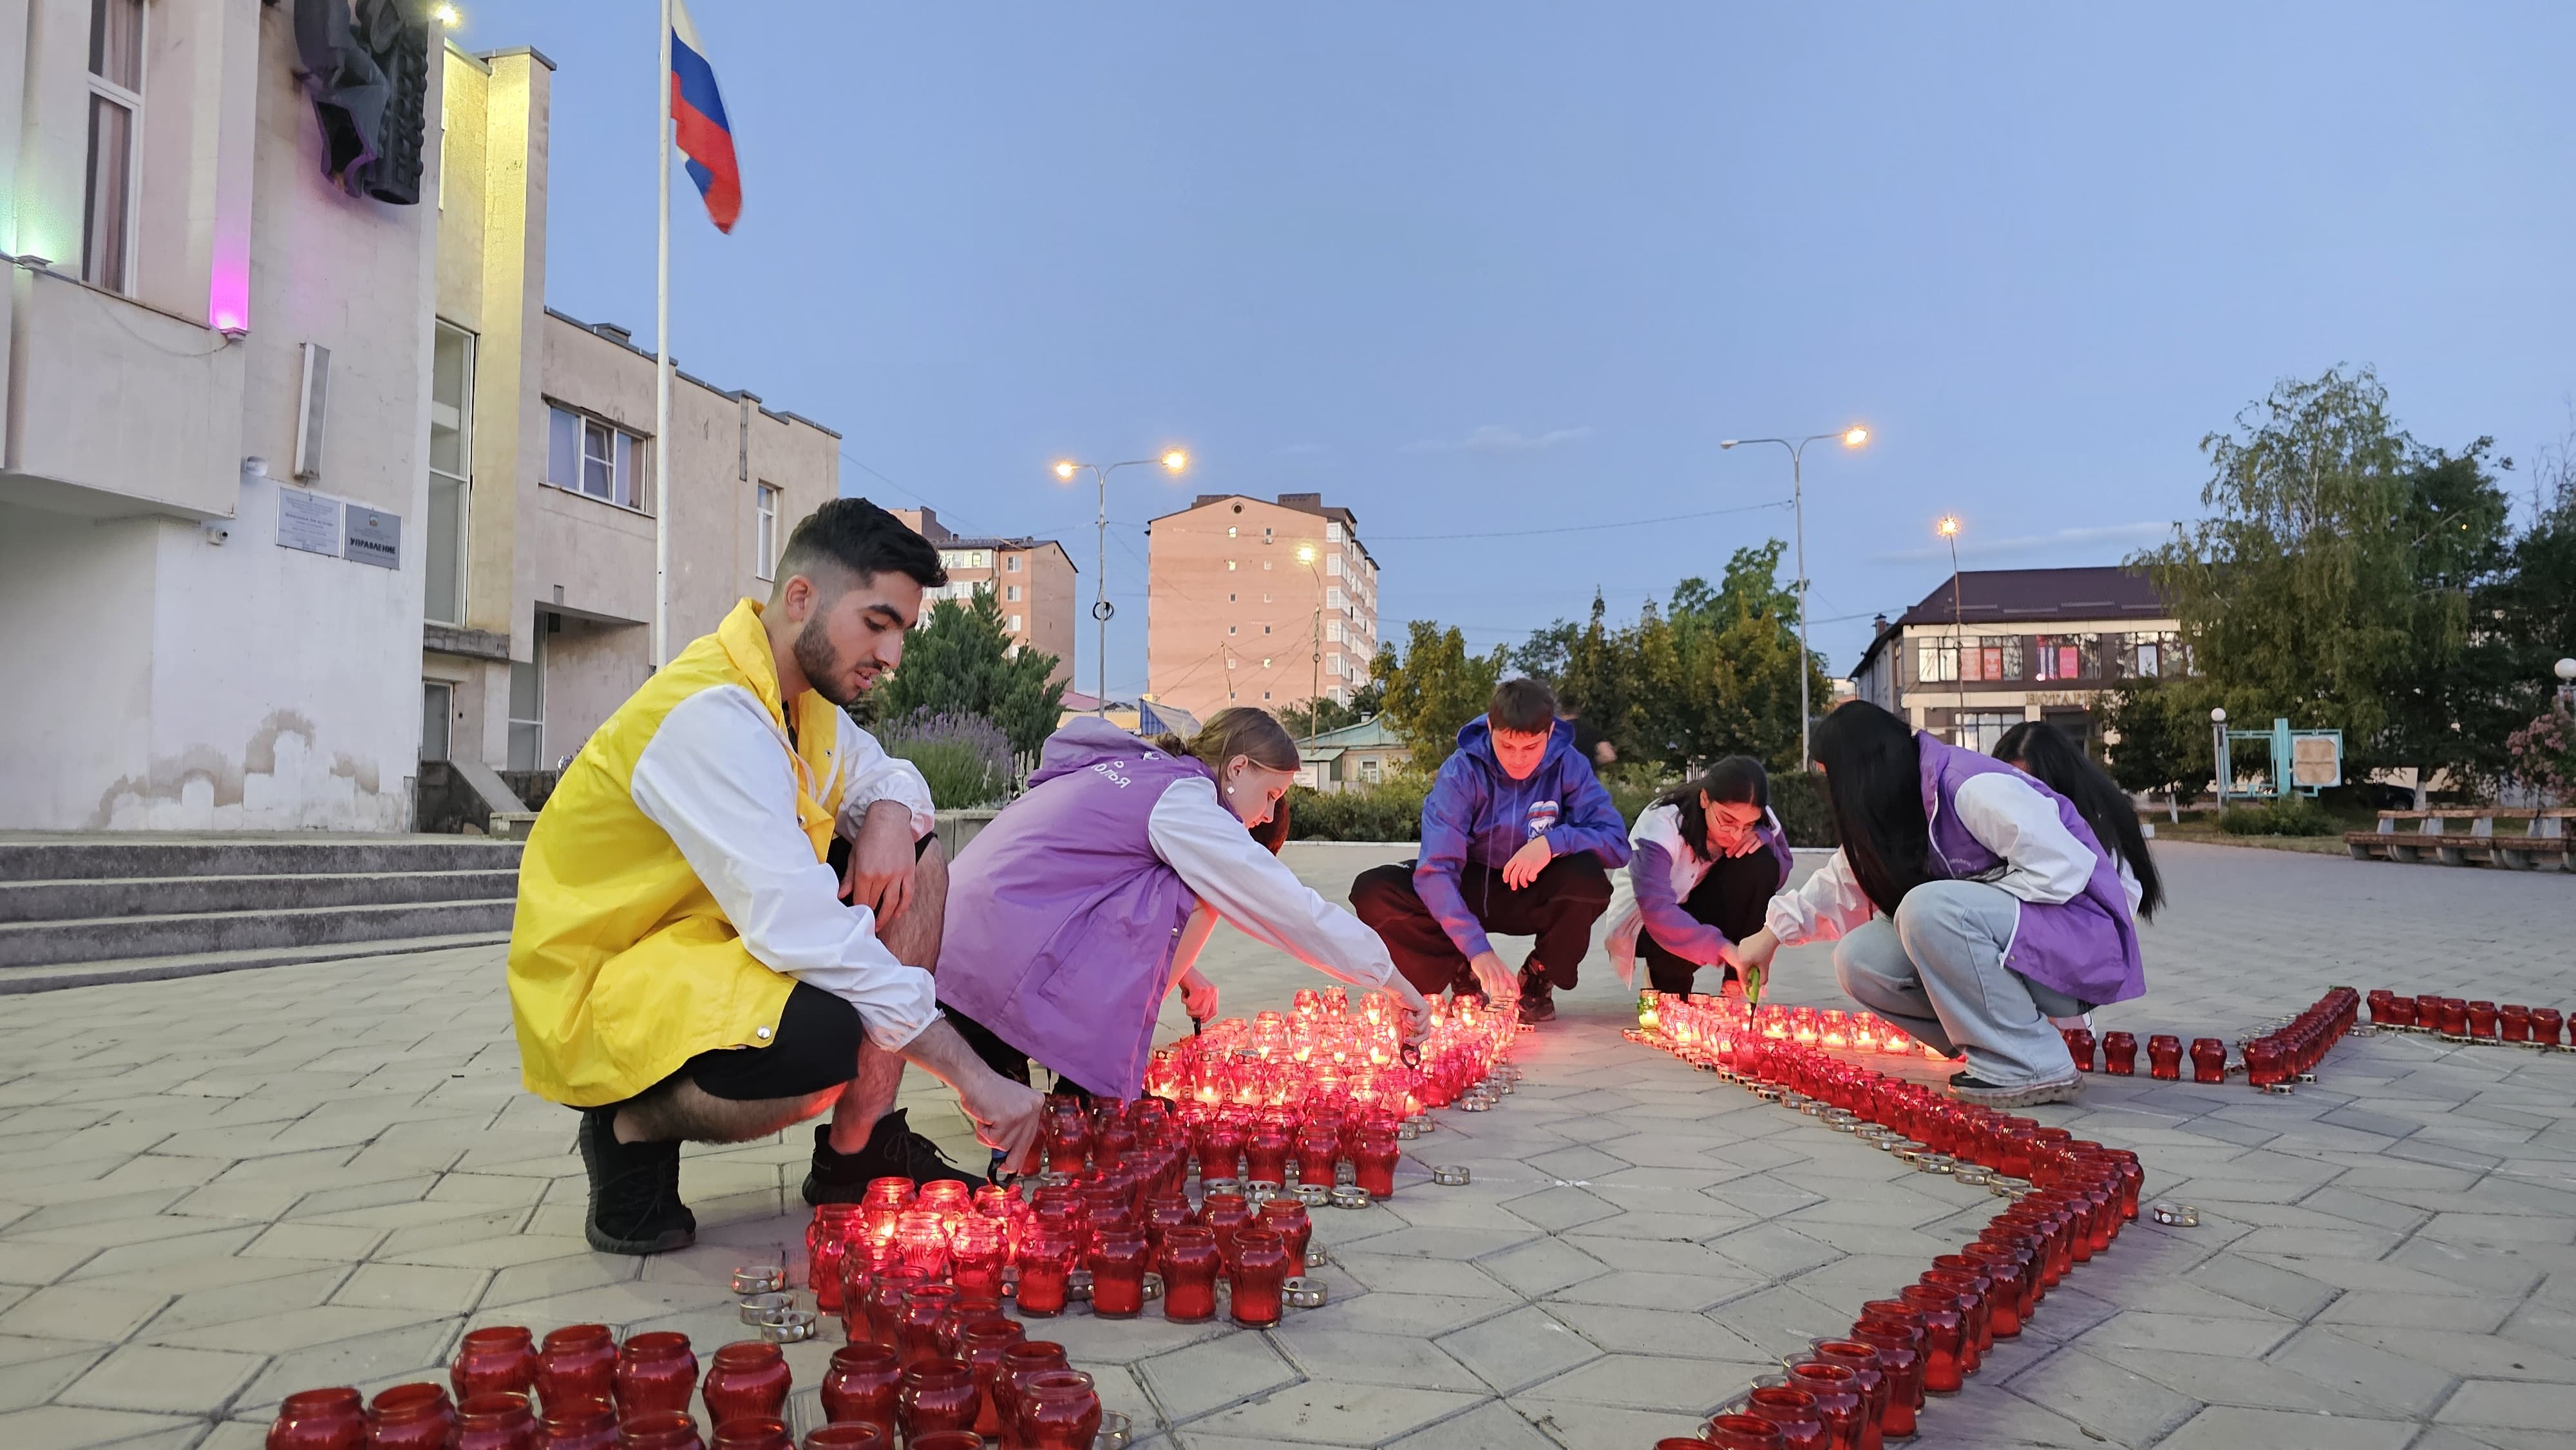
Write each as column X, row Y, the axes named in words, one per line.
column 1979, row 730
column 451, row 457
column 437, row 708
column 587, row 456
column 766, row 540
column 115, row 117
column 1231, row 531
column 1370, row 771
column 1010, row 594
column 1991, row 657
column 528, row 703
column 1936, row 661
column 1011, row 564
column 1015, row 624
column 2059, row 658
column 1333, row 533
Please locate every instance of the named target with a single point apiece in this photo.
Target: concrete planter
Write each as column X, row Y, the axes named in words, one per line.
column 956, row 828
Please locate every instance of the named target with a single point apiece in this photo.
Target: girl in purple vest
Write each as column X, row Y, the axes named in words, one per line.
column 1971, row 902
column 1707, row 858
column 1083, row 904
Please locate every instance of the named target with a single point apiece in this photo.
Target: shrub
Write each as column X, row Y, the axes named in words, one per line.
column 1798, row 799
column 2291, row 815
column 966, row 758
column 1391, row 811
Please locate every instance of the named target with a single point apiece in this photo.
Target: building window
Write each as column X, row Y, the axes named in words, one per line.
column 1333, row 630
column 115, row 124
column 1991, row 657
column 587, row 456
column 1229, row 629
column 1015, row 624
column 2153, row 656
column 1231, row 531
column 1265, row 662
column 1266, row 536
column 2070, row 656
column 1936, row 661
column 1333, row 533
column 1011, row 593
column 1265, row 629
column 528, row 703
column 437, row 708
column 1229, row 566
column 766, row 535
column 1979, row 730
column 451, row 472
column 1369, row 768
column 1011, row 563
column 1265, row 563
column 1333, row 564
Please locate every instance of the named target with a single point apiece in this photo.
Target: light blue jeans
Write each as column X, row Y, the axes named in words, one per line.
column 1938, row 972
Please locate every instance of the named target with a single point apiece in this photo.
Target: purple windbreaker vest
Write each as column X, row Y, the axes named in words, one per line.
column 2086, row 947
column 1061, row 919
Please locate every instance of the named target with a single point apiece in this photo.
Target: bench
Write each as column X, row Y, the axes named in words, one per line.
column 2463, row 836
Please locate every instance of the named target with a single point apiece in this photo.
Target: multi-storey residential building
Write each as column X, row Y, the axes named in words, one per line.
column 2019, row 644
column 214, row 454
column 540, row 540
column 1033, row 580
column 1254, row 602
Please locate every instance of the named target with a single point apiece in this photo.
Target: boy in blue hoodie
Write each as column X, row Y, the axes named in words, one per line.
column 1517, row 837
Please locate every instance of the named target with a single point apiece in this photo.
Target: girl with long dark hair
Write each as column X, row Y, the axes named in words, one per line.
column 1972, row 904
column 1707, row 858
column 2042, row 751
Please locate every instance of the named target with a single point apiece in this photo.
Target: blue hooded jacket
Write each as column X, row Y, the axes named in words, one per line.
column 1477, row 813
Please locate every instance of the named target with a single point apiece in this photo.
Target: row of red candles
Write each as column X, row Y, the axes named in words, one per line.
column 582, row 1390
column 2271, row 1059
column 1321, row 1051
column 2478, row 1020
column 1854, row 1391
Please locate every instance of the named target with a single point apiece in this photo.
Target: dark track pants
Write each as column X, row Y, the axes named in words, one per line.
column 1731, row 897
column 1558, row 908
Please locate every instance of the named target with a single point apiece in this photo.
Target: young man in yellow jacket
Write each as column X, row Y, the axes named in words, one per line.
column 683, row 966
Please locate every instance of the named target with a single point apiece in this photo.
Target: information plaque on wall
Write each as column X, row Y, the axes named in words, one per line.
column 309, row 521
column 375, row 537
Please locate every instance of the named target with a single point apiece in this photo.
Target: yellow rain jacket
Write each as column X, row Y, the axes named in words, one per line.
column 623, row 966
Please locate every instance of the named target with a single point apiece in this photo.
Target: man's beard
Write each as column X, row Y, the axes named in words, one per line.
column 821, row 664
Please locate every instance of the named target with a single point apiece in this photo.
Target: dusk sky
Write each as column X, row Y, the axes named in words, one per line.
column 1514, row 270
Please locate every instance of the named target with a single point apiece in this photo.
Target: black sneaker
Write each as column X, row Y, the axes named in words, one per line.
column 1538, row 998
column 1969, row 1088
column 635, row 1203
column 893, row 1151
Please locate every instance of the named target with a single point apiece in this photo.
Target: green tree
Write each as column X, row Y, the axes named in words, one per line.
column 2449, row 694
column 2164, row 738
column 1314, row 717
column 2311, row 591
column 961, row 662
column 1435, row 687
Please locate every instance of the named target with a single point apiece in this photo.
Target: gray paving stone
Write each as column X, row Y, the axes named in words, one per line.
column 1329, row 1412
column 2228, row 1428
column 1516, row 1350
column 1213, row 1374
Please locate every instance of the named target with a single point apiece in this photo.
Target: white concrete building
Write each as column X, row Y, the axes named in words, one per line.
column 194, row 641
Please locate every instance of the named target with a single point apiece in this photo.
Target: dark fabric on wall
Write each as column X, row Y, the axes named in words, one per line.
column 367, row 65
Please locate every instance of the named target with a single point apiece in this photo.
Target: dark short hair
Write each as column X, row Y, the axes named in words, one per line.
column 1522, row 707
column 855, row 535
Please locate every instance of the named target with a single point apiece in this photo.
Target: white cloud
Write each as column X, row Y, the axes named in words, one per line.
column 1496, row 438
column 1972, row 547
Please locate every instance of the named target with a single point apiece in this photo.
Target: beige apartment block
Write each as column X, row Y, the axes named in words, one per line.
column 537, row 620
column 213, row 470
column 1033, row 580
column 1994, row 647
column 1258, row 602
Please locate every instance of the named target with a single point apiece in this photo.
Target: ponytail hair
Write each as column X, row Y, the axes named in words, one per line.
column 1257, row 736
column 1737, row 780
column 2043, row 751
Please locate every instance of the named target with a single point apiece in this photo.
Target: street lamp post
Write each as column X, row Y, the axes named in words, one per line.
column 1852, row 437
column 1172, row 461
column 1315, row 675
column 1949, row 529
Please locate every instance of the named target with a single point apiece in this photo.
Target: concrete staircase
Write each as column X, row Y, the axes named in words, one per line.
column 79, row 910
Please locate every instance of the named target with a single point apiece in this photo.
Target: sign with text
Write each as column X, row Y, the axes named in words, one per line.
column 374, row 537
column 309, row 521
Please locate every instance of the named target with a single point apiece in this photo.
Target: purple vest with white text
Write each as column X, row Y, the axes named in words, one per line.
column 2086, row 948
column 1061, row 919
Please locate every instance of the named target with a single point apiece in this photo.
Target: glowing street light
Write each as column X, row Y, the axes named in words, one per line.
column 1948, row 528
column 1172, row 461
column 446, row 16
column 1852, row 437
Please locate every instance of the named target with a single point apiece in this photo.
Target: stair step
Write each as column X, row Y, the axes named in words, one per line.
column 92, row 858
column 90, row 939
column 15, row 981
column 35, row 901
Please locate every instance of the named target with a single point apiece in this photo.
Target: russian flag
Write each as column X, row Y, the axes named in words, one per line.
column 698, row 115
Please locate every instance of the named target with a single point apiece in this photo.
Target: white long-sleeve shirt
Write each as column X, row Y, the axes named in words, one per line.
column 713, row 776
column 1234, row 876
column 2043, row 862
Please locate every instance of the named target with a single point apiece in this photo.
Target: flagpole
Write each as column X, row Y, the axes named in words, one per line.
column 662, row 365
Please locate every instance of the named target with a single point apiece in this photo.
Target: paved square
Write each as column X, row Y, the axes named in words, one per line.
column 217, row 1190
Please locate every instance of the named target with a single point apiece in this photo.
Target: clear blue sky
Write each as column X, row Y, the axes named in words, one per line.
column 1491, row 267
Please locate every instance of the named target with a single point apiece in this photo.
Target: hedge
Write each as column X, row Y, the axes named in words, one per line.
column 1393, row 811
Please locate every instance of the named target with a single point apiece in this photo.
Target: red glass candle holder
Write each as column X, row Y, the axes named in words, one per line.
column 1225, row 1215
column 752, row 1432
column 2513, row 1023
column 2120, row 1053
column 2079, row 1045
column 847, row 1437
column 1265, row 1157
column 1190, row 1264
column 1376, row 1156
column 1902, row 1363
column 2208, row 1060
column 1288, row 1218
column 916, row 1329
column 982, row 1345
column 1256, row 1269
column 2545, row 1025
column 579, row 1425
column 2164, row 1057
column 1875, row 1388
column 2455, row 1017
column 332, row 1419
column 497, row 1420
column 654, row 1371
column 1942, row 1322
column 978, row 1248
column 659, row 1430
column 1117, row 1265
column 411, row 1417
column 1021, row 1363
column 2264, row 1065
column 1059, row 1410
column 1046, row 1258
column 1731, row 1432
column 500, row 1359
column 827, row 1241
column 861, row 1385
column 939, row 1395
column 1793, row 1412
column 1976, row 1320
column 1838, row 1398
column 575, row 1363
column 745, row 1380
column 948, row 1440
column 2482, row 1018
